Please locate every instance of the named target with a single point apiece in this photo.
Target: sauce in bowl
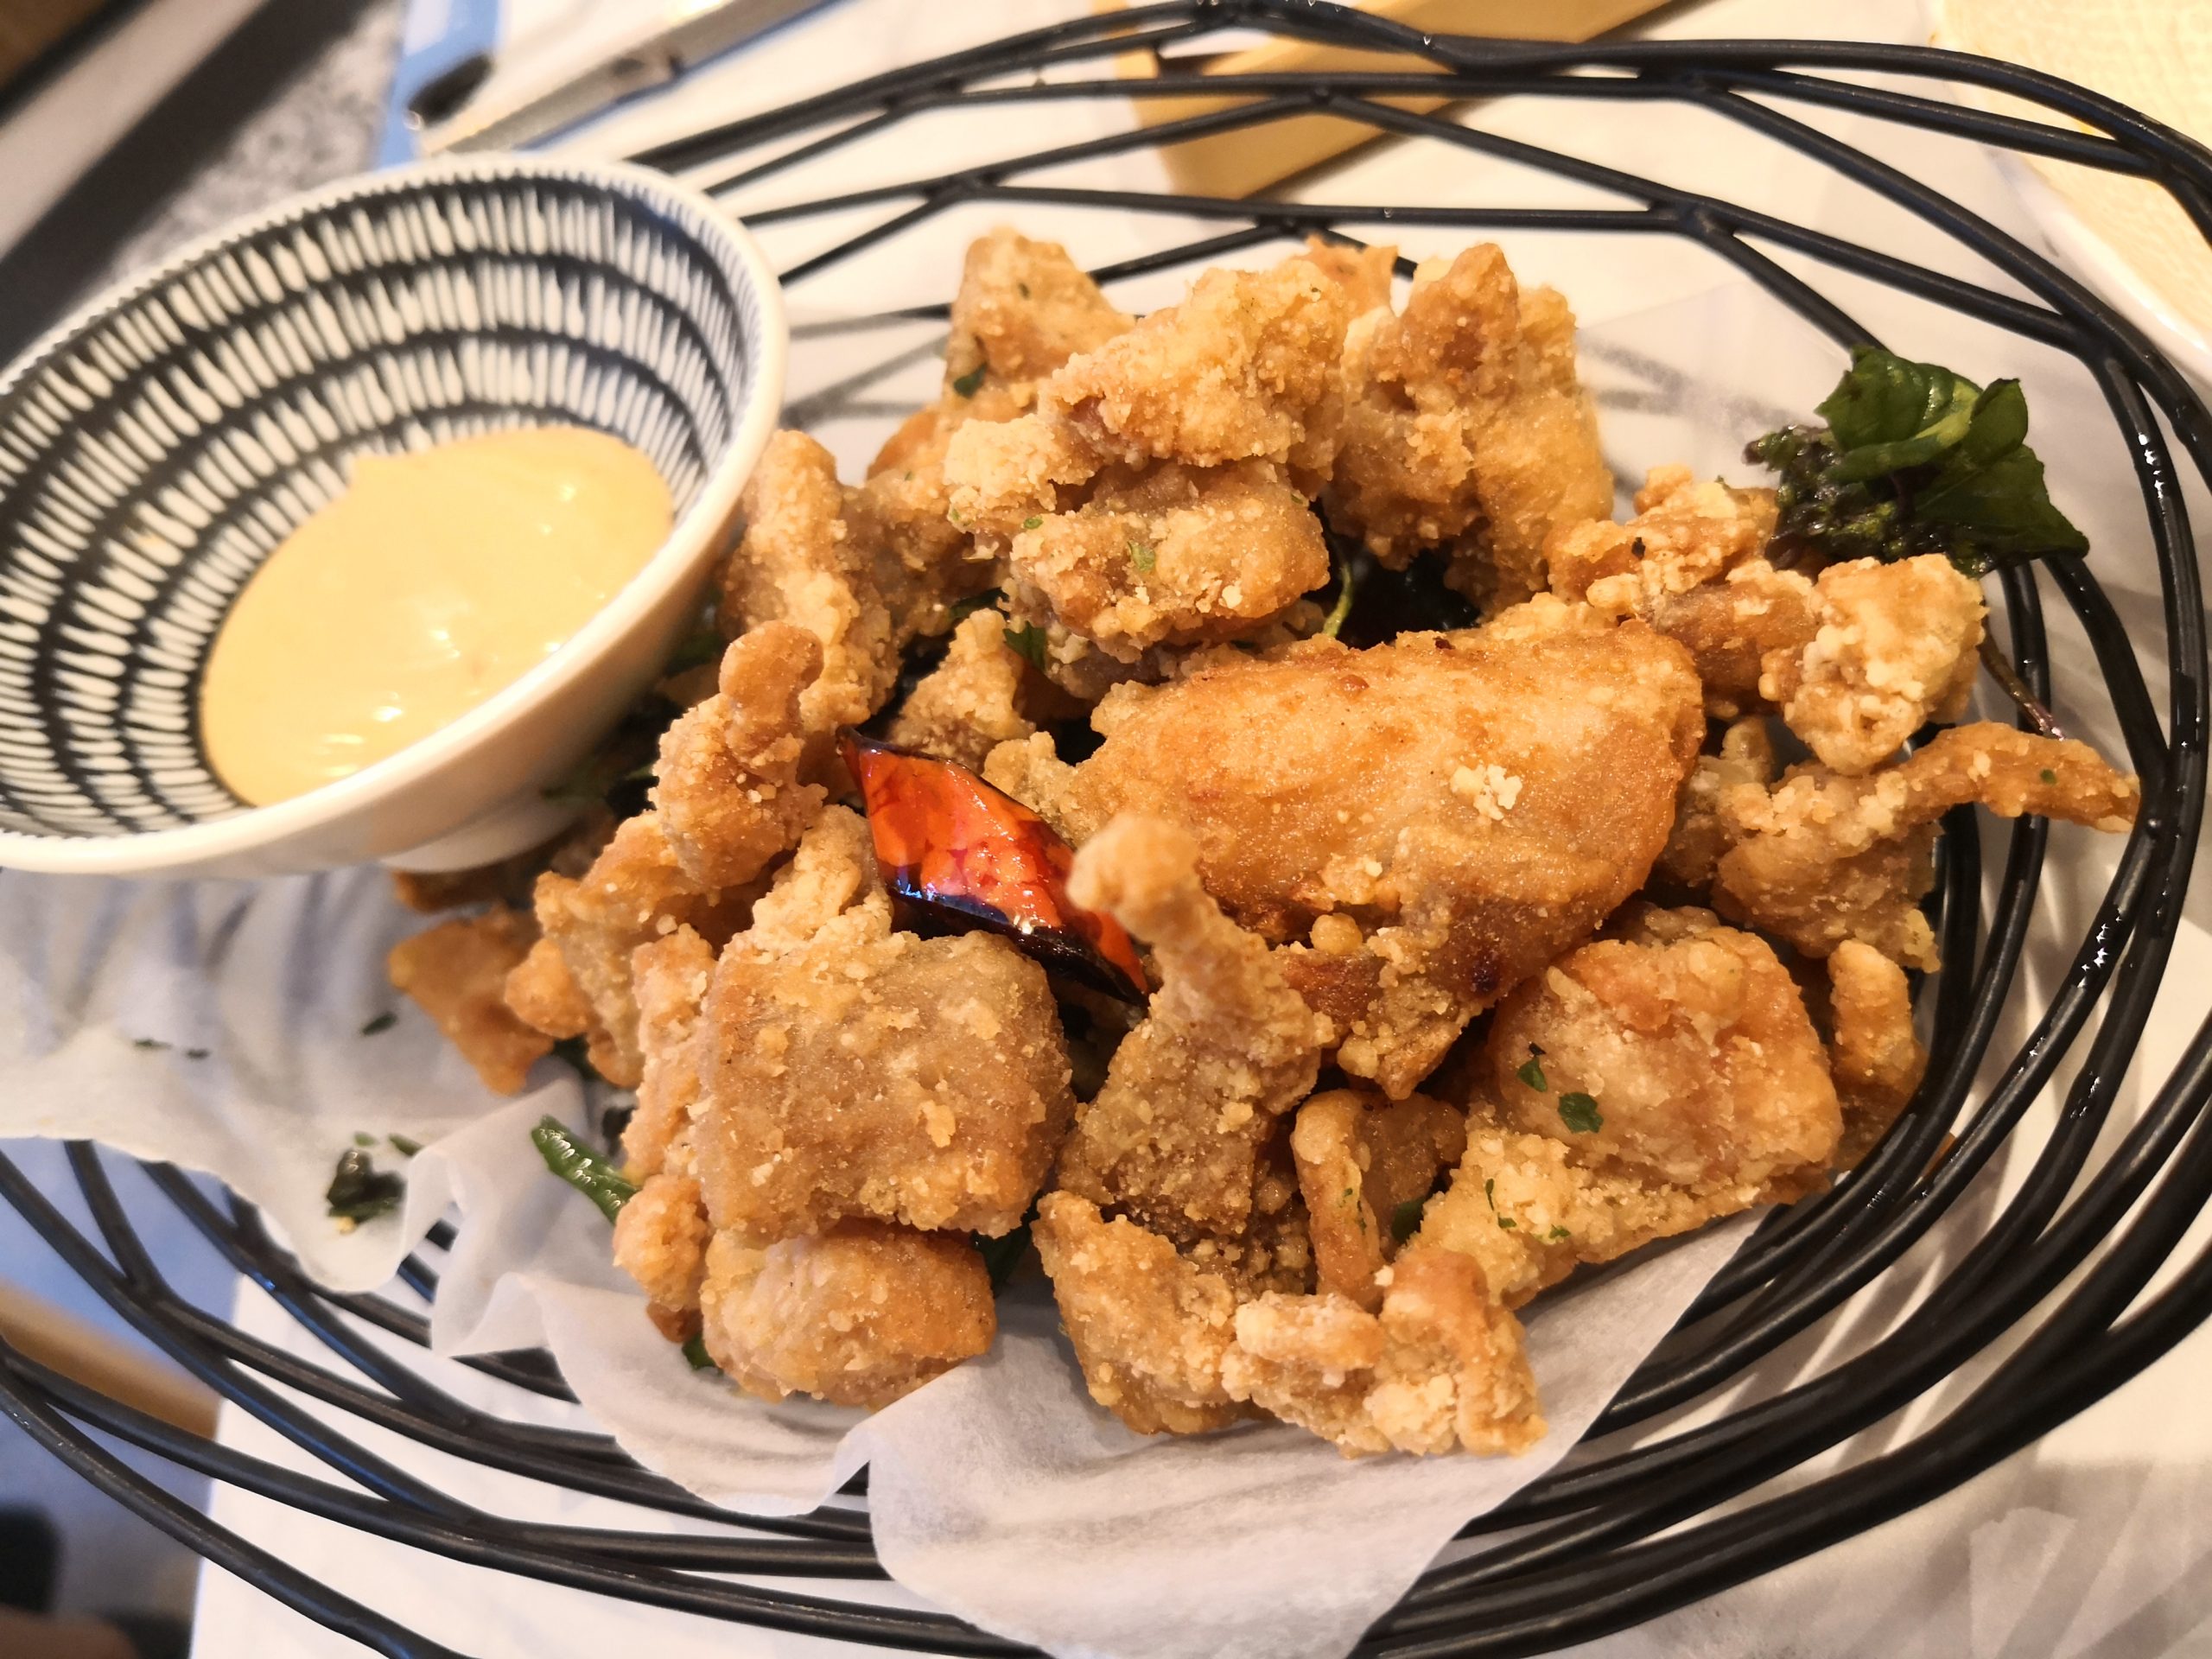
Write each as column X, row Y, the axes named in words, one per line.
column 437, row 579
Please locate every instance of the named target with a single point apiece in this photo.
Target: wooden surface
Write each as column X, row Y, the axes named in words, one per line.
column 63, row 1343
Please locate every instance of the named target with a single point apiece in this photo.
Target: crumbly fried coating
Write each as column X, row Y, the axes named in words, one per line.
column 1173, row 554
column 1174, row 1137
column 1690, row 564
column 867, row 1073
column 1030, row 769
column 1895, row 648
column 860, row 1315
column 1702, row 832
column 1023, row 309
column 456, row 973
column 1359, row 1159
column 1442, row 1367
column 1877, row 1058
column 1148, row 1328
column 1704, row 1090
column 1365, row 273
column 1824, row 858
column 661, row 1237
column 970, row 703
column 635, row 892
column 727, row 786
column 1437, row 817
column 669, row 979
column 543, row 995
column 1463, row 427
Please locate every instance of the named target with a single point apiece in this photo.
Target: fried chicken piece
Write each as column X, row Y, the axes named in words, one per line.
column 634, row 892
column 543, row 995
column 1023, row 309
column 1691, row 563
column 1637, row 1091
column 1364, row 274
column 970, row 703
column 1876, row 1058
column 727, row 786
column 1824, row 858
column 661, row 1239
column 669, row 978
column 1702, row 832
column 1465, row 427
column 1896, row 647
column 1031, row 771
column 456, row 973
column 1174, row 1137
column 861, row 1072
column 860, row 1315
column 1437, row 816
column 1149, row 1329
column 1172, row 555
column 1364, row 1166
column 1442, row 1367
column 906, row 499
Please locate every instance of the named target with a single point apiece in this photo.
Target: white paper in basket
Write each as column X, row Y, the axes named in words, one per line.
column 999, row 1491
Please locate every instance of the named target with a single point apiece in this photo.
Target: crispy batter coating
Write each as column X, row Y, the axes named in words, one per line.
column 1442, row 1367
column 1465, row 427
column 1877, row 1058
column 1690, row 563
column 1149, row 1329
column 970, row 703
column 635, row 892
column 1707, row 1082
column 545, row 995
column 1023, row 309
column 661, row 1237
column 858, row 1316
column 1702, row 832
column 669, row 977
column 1174, row 1137
column 1439, row 815
column 1030, row 769
column 864, row 1073
column 727, row 789
column 1896, row 648
column 1359, row 1159
column 456, row 973
column 1824, row 858
column 1365, row 273
column 1173, row 554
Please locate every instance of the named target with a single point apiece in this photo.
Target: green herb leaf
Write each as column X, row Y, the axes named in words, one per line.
column 1142, row 556
column 359, row 1192
column 966, row 385
column 694, row 1350
column 197, row 1053
column 363, row 1138
column 962, row 609
column 405, row 1146
column 1579, row 1113
column 1506, row 1224
column 1340, row 612
column 1531, row 1072
column 594, row 1176
column 1032, row 522
column 1405, row 1219
column 1557, row 1234
column 149, row 1042
column 2047, row 775
column 1029, row 640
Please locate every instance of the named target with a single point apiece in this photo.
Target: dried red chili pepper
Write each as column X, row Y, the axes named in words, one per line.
column 956, row 853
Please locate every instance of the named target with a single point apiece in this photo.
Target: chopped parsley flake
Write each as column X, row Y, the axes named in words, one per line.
column 1029, row 640
column 695, row 1351
column 403, row 1145
column 363, row 1138
column 1557, row 1234
column 197, row 1053
column 147, row 1043
column 1531, row 1071
column 2047, row 775
column 1032, row 522
column 967, row 383
column 1142, row 556
column 1579, row 1113
column 382, row 1022
column 1405, row 1220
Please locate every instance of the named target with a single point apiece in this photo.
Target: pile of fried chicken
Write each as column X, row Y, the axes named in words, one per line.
column 1475, row 955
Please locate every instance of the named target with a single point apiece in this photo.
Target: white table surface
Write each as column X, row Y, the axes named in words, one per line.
column 2096, row 1541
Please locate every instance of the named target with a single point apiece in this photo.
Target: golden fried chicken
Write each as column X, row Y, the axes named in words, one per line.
column 860, row 1072
column 1174, row 1138
column 456, row 973
column 1691, row 563
column 661, row 1238
column 858, row 1316
column 1463, row 427
column 1876, row 1058
column 1702, row 832
column 1365, row 1165
column 1441, row 1368
column 669, row 978
column 1437, row 817
column 1824, row 858
column 727, row 786
column 1638, row 1089
column 1023, row 309
column 1030, row 769
column 1895, row 648
column 1172, row 555
column 1148, row 1328
column 1365, row 273
column 970, row 703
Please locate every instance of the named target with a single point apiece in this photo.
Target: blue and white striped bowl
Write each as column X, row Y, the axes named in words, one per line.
column 157, row 447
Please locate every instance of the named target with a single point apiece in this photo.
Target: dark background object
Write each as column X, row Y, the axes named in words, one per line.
column 1624, row 1534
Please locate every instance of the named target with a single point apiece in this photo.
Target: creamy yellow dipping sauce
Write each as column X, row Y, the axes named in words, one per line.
column 436, row 579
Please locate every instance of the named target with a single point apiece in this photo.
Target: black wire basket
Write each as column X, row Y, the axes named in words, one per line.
column 1634, row 1526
